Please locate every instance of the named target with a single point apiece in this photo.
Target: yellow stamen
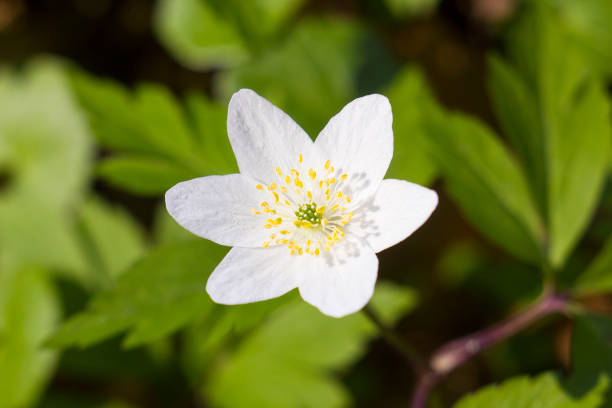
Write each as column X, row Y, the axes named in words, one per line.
column 312, row 174
column 276, row 221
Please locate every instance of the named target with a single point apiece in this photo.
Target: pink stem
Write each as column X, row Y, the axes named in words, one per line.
column 455, row 353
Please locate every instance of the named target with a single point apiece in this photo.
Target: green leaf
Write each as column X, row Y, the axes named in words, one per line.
column 110, row 109
column 44, row 142
column 591, row 353
column 45, row 149
column 487, row 183
column 210, row 124
column 587, row 22
column 321, row 66
column 204, row 34
column 555, row 111
column 116, row 239
column 260, row 20
column 591, row 350
column 149, row 121
column 157, row 296
column 288, row 360
column 198, row 35
column 29, row 312
column 158, row 142
column 580, row 156
column 392, row 301
column 598, row 276
column 517, row 112
column 33, row 233
column 144, row 175
column 163, row 121
column 166, row 230
column 411, row 99
column 543, row 391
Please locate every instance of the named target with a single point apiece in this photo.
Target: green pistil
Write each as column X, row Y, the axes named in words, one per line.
column 308, row 212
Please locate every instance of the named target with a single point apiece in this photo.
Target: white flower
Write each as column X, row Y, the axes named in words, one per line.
column 303, row 214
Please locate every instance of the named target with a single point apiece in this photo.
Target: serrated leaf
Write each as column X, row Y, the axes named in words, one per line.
column 487, row 183
column 410, row 98
column 543, row 391
column 288, row 361
column 556, row 112
column 116, row 239
column 111, row 113
column 158, row 295
column 148, row 120
column 29, row 312
column 158, row 143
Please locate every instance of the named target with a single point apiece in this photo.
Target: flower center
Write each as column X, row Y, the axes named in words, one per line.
column 307, row 209
column 308, row 213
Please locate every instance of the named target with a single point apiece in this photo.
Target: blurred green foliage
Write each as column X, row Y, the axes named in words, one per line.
column 544, row 391
column 80, row 264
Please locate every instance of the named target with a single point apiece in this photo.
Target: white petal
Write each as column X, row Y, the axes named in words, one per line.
column 248, row 275
column 264, row 137
column 340, row 281
column 219, row 208
column 359, row 142
column 398, row 209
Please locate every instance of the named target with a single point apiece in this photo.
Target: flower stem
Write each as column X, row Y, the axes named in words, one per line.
column 410, row 355
column 455, row 353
